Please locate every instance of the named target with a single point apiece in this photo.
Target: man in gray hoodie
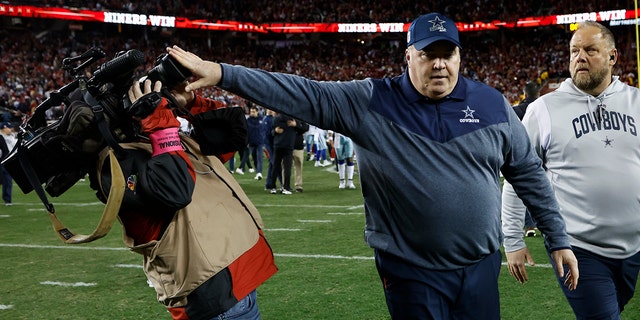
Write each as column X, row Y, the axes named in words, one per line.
column 587, row 136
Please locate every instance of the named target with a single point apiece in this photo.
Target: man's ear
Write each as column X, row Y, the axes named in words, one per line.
column 613, row 55
column 407, row 56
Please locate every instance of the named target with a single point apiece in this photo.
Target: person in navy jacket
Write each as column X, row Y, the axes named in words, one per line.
column 431, row 146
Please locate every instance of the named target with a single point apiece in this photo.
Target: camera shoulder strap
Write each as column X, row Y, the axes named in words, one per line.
column 109, row 213
column 103, row 126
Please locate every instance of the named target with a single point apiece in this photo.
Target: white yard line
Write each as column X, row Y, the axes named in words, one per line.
column 284, row 255
column 302, row 206
column 68, row 284
column 320, row 256
column 124, row 265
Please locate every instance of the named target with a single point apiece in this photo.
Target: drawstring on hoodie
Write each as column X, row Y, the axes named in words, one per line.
column 600, row 109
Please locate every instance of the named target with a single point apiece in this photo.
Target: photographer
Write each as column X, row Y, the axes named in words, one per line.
column 201, row 237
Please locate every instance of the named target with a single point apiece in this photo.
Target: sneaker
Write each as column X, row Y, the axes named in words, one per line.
column 273, row 191
column 298, row 189
column 239, row 171
column 350, row 185
column 326, row 163
column 285, row 191
column 258, row 176
column 531, row 232
column 317, row 164
column 312, row 157
column 252, row 170
column 8, row 204
column 342, row 185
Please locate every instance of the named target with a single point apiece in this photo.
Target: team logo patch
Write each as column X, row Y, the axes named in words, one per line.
column 437, row 25
column 468, row 115
column 131, row 182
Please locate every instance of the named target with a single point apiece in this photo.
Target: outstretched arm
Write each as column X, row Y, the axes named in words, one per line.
column 207, row 73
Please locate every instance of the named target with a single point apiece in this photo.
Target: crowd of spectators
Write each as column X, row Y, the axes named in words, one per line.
column 30, row 59
column 263, row 11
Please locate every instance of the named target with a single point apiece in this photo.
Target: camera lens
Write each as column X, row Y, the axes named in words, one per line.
column 168, row 71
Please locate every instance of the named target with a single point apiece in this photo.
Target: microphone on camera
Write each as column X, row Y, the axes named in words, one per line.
column 120, row 65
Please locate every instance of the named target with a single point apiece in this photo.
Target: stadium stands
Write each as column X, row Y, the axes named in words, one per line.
column 340, row 11
column 31, row 53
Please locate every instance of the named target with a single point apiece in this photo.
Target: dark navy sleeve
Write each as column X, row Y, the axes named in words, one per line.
column 165, row 181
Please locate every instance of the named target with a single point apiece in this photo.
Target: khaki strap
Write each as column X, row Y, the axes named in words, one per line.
column 109, row 214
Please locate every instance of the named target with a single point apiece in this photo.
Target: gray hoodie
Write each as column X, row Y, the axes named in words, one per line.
column 594, row 167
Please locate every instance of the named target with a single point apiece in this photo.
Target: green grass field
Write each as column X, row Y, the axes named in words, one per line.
column 326, row 269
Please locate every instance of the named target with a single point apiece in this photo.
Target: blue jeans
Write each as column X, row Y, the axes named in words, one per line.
column 245, row 309
column 256, row 153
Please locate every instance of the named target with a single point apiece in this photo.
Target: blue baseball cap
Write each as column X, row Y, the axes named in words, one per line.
column 430, row 28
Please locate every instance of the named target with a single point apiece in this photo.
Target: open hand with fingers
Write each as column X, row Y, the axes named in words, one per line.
column 564, row 257
column 206, row 73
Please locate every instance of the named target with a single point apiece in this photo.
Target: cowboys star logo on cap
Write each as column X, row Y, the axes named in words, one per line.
column 430, row 28
column 437, row 25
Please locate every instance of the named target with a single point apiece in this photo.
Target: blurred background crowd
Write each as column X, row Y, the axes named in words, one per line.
column 31, row 52
column 261, row 11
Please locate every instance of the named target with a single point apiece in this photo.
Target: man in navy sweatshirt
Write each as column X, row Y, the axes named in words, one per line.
column 431, row 145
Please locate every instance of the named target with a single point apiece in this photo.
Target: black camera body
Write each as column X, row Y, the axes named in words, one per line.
column 97, row 112
column 53, row 163
column 166, row 70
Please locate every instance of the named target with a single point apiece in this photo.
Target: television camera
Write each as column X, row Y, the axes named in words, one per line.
column 97, row 112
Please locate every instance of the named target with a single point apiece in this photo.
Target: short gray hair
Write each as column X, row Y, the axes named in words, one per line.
column 607, row 35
